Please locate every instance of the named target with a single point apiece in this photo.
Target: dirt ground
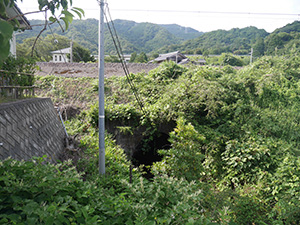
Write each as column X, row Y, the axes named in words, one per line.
column 90, row 69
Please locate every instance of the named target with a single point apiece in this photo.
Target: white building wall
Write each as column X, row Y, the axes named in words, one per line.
column 13, row 45
column 60, row 58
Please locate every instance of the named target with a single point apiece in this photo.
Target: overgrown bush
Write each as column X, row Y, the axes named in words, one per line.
column 167, row 70
column 17, row 72
column 229, row 59
column 233, row 156
column 185, row 157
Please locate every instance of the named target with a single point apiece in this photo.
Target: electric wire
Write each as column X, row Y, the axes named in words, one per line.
column 61, row 50
column 120, row 54
column 56, row 39
column 207, row 12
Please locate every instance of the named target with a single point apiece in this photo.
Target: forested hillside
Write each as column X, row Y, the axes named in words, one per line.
column 153, row 38
column 237, row 41
column 134, row 37
column 186, row 33
column 240, row 41
column 282, row 40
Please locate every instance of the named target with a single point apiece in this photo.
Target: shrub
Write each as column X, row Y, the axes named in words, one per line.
column 44, row 194
column 167, row 70
column 17, row 70
column 184, row 158
column 245, row 161
column 168, row 200
column 247, row 210
column 229, row 59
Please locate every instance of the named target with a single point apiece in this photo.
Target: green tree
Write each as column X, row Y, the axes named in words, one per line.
column 112, row 59
column 229, row 59
column 185, row 158
column 198, row 51
column 44, row 47
column 132, row 57
column 153, row 56
column 259, row 47
column 82, row 54
column 59, row 10
column 141, row 58
column 276, row 42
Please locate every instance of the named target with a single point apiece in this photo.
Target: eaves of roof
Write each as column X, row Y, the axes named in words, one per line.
column 15, row 12
column 62, row 51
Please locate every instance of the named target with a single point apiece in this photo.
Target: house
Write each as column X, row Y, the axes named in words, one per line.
column 15, row 12
column 173, row 56
column 201, row 62
column 61, row 55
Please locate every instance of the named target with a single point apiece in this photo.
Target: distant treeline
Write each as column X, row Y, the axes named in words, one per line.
column 156, row 39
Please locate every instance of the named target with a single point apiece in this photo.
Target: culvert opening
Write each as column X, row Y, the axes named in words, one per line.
column 146, row 152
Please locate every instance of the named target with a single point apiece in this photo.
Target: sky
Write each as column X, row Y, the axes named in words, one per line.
column 202, row 15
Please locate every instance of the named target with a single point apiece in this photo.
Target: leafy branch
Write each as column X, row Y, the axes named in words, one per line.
column 37, row 37
column 9, row 24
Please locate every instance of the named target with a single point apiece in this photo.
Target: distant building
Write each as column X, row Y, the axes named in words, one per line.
column 172, row 56
column 127, row 58
column 201, row 62
column 61, row 55
column 15, row 12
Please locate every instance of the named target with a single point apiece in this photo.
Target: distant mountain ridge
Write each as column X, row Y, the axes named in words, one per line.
column 134, row 37
column 291, row 27
column 186, row 33
column 236, row 40
column 154, row 38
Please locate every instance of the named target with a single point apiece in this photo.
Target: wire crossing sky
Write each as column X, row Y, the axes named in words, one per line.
column 201, row 15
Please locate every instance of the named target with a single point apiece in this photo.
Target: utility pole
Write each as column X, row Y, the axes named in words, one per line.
column 251, row 56
column 71, row 50
column 101, row 91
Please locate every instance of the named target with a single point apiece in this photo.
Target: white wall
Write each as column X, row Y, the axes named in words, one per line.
column 57, row 58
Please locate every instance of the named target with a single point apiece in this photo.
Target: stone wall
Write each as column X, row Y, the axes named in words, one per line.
column 30, row 128
column 90, row 69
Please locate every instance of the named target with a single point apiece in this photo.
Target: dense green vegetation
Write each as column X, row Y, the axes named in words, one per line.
column 185, row 33
column 45, row 45
column 237, row 41
column 240, row 41
column 234, row 156
column 237, row 130
column 84, row 32
column 17, row 73
column 283, row 39
column 57, row 10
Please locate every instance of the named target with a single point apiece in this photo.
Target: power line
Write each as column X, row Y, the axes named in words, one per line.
column 118, row 47
column 60, row 50
column 206, row 12
column 197, row 12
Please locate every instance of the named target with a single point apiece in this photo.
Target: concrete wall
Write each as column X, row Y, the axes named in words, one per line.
column 30, row 128
column 131, row 142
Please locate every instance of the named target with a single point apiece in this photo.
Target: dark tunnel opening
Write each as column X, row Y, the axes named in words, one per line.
column 146, row 152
